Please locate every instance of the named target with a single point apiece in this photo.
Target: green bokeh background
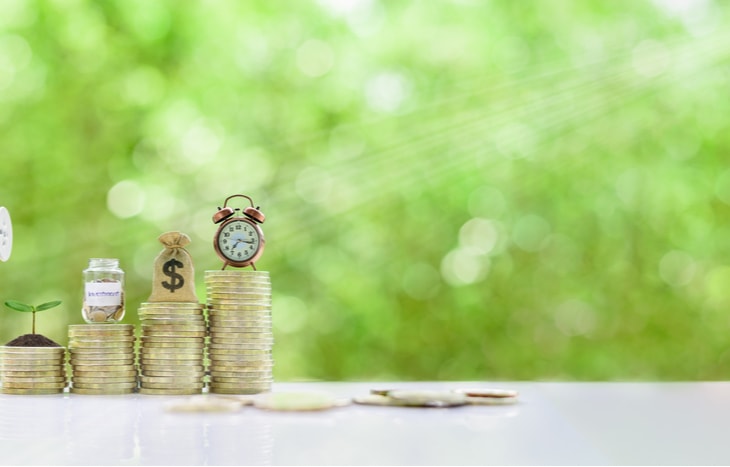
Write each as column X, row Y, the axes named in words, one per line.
column 454, row 190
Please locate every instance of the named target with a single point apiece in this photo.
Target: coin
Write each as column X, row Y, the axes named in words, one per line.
column 9, row 350
column 235, row 273
column 177, row 334
column 238, row 327
column 31, row 391
column 23, row 374
column 155, row 367
column 376, row 399
column 171, row 358
column 240, row 311
column 33, row 379
column 126, row 385
column 82, row 380
column 76, row 344
column 245, row 293
column 248, row 303
column 241, row 368
column 104, row 374
column 109, row 364
column 236, row 357
column 242, row 380
column 204, row 404
column 171, row 305
column 18, row 363
column 173, row 327
column 243, row 305
column 172, row 340
column 101, row 327
column 237, row 291
column 222, row 375
column 174, row 373
column 428, row 398
column 199, row 386
column 239, row 315
column 490, row 393
column 170, row 347
column 101, row 392
column 242, row 344
column 110, row 331
column 239, row 321
column 166, row 323
column 32, row 385
column 148, row 355
column 242, row 349
column 298, row 401
column 232, row 282
column 241, row 384
column 54, row 367
column 239, row 391
column 174, row 354
column 180, row 310
column 170, row 391
column 102, row 355
column 239, row 388
column 169, row 380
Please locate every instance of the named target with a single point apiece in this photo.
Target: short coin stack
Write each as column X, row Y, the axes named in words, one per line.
column 172, row 348
column 102, row 359
column 241, row 340
column 32, row 370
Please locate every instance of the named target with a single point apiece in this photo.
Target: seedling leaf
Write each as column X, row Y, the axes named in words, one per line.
column 48, row 305
column 19, row 306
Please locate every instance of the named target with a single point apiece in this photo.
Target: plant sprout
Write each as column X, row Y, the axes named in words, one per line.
column 24, row 307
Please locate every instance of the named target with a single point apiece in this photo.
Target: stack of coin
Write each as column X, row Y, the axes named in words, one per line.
column 32, row 370
column 171, row 353
column 102, row 358
column 239, row 316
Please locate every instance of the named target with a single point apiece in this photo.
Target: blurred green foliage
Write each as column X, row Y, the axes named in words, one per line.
column 457, row 190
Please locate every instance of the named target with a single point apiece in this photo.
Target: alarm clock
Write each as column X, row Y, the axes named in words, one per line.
column 6, row 234
column 239, row 240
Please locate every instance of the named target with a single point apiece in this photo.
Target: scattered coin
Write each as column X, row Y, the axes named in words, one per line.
column 413, row 398
column 439, row 398
column 297, row 401
column 489, row 396
column 204, row 404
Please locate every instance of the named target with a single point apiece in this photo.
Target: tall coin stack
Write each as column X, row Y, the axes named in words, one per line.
column 172, row 348
column 241, row 339
column 32, row 370
column 102, row 358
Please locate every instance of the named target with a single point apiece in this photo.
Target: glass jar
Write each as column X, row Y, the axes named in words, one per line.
column 103, row 291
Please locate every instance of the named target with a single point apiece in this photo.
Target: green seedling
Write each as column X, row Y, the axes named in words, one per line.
column 24, row 307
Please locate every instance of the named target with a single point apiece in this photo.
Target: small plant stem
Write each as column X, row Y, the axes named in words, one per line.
column 33, row 322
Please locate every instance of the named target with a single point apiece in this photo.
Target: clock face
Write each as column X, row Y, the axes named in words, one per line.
column 238, row 241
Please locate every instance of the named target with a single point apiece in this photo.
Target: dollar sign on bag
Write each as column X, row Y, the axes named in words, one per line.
column 176, row 280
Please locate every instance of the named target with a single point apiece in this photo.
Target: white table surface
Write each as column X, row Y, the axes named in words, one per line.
column 554, row 423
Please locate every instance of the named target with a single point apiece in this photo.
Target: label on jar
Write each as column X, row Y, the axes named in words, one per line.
column 103, row 293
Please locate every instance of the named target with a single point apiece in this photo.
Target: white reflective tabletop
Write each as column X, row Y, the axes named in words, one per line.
column 554, row 423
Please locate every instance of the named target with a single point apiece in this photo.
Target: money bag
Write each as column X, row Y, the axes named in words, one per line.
column 173, row 277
